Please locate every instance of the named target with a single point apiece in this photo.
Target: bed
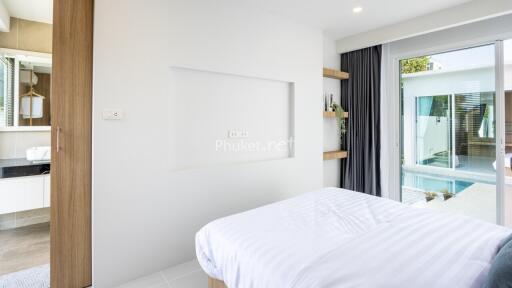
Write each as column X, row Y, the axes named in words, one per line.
column 339, row 238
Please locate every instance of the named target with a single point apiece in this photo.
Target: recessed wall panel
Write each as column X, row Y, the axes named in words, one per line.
column 219, row 118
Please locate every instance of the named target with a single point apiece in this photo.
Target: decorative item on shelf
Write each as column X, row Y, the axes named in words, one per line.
column 340, row 118
column 326, row 103
column 429, row 196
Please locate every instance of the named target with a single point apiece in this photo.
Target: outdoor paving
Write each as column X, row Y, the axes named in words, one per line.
column 478, row 200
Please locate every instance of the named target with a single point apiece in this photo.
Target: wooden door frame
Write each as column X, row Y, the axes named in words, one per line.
column 71, row 117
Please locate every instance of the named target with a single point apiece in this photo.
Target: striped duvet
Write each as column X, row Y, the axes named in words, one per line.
column 339, row 238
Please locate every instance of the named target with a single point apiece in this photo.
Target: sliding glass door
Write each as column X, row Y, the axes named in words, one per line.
column 448, row 132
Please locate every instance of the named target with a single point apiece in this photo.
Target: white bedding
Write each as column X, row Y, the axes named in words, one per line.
column 339, row 238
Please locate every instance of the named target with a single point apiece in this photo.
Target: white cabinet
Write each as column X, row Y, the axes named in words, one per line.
column 46, row 190
column 23, row 193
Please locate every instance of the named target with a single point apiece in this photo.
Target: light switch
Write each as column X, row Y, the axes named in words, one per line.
column 112, row 114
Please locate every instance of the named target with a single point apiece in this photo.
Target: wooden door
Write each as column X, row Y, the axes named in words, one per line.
column 71, row 118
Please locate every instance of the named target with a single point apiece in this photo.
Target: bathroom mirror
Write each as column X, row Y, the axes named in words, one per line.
column 25, row 90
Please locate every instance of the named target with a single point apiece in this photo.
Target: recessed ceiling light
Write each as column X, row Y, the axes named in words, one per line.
column 357, row 9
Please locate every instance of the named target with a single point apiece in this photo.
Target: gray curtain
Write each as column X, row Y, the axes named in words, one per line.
column 360, row 96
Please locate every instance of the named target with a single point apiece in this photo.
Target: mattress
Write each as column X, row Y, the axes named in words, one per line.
column 339, row 238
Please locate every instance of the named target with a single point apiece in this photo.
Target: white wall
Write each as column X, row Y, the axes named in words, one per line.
column 145, row 215
column 228, row 105
column 468, row 12
column 13, row 144
column 468, row 35
column 331, row 135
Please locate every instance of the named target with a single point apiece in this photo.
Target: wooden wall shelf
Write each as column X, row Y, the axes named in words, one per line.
column 339, row 75
column 328, row 114
column 335, row 74
column 331, row 155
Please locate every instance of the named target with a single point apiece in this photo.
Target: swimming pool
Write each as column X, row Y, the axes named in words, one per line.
column 433, row 183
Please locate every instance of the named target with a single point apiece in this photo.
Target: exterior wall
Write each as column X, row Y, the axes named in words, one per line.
column 436, row 84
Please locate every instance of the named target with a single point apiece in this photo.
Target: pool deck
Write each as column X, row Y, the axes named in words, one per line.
column 478, row 200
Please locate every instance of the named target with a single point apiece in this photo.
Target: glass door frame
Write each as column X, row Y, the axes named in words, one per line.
column 501, row 198
column 503, row 201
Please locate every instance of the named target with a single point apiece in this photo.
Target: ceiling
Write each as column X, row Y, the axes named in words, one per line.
column 336, row 18
column 34, row 10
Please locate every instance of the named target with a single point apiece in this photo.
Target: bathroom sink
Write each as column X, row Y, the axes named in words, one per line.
column 21, row 167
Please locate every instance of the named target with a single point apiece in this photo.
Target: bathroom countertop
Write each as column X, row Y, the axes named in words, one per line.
column 20, row 167
column 18, row 162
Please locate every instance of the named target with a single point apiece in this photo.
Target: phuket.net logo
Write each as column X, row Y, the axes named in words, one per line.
column 244, row 145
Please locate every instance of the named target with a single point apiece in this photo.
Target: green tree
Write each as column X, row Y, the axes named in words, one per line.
column 414, row 65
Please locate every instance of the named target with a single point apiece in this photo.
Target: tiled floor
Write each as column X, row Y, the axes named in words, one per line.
column 187, row 275
column 24, row 247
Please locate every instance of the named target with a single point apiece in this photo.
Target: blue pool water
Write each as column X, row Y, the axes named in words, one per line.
column 433, row 183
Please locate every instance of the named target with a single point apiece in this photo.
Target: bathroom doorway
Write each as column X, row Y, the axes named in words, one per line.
column 45, row 162
column 25, row 141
